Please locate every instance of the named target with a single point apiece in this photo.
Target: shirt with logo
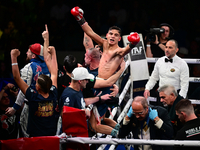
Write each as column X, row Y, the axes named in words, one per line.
column 41, row 121
column 72, row 98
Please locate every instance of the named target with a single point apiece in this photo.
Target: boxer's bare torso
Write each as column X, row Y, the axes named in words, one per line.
column 112, row 54
column 109, row 63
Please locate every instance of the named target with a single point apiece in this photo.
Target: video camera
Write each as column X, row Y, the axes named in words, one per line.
column 155, row 31
column 151, row 35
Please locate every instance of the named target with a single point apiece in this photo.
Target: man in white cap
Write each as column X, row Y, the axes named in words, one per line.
column 72, row 95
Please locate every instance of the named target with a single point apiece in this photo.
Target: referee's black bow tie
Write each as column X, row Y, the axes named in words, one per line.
column 170, row 60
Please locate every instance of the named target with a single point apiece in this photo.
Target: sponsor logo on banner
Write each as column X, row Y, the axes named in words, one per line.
column 137, row 53
column 196, row 79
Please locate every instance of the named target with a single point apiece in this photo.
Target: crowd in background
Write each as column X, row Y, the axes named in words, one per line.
column 22, row 22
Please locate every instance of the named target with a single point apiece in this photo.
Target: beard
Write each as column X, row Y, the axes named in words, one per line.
column 27, row 60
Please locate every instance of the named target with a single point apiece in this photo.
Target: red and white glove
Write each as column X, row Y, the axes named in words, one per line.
column 78, row 14
column 133, row 38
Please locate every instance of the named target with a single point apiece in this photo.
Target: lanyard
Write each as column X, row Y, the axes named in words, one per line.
column 142, row 124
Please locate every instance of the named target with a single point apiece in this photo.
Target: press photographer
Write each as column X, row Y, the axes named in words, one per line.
column 157, row 38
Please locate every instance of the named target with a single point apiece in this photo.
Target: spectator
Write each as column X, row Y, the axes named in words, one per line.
column 64, row 81
column 190, row 130
column 169, row 97
column 92, row 59
column 42, row 101
column 30, row 74
column 9, row 126
column 72, row 95
column 147, row 122
column 170, row 69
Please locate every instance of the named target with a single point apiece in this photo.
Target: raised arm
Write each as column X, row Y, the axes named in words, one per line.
column 50, row 57
column 53, row 65
column 47, row 56
column 15, row 70
column 78, row 14
column 87, row 42
column 134, row 39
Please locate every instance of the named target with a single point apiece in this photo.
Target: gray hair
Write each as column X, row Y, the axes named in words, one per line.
column 94, row 53
column 168, row 89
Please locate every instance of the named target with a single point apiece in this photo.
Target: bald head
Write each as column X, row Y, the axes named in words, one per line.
column 171, row 49
column 94, row 53
column 142, row 100
column 140, row 107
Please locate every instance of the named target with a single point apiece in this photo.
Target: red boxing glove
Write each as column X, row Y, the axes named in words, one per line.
column 78, row 14
column 134, row 38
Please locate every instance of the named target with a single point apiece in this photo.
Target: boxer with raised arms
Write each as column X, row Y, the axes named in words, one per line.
column 111, row 58
column 112, row 53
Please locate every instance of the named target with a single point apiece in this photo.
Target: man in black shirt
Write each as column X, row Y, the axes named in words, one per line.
column 156, row 48
column 169, row 97
column 191, row 129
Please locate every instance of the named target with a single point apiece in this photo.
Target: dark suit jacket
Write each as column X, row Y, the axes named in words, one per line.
column 164, row 133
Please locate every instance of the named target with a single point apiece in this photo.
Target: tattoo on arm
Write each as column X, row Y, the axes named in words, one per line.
column 86, row 41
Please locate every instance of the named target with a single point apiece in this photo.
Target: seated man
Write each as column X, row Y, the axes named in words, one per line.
column 147, row 122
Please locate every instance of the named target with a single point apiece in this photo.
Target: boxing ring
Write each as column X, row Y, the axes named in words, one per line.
column 150, row 99
column 113, row 142
column 128, row 85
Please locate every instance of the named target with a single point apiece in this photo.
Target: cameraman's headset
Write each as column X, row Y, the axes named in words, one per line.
column 171, row 33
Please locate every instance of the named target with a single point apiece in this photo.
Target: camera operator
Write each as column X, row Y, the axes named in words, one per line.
column 157, row 38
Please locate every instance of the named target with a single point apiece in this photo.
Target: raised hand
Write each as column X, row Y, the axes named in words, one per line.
column 51, row 50
column 15, row 52
column 78, row 14
column 45, row 34
column 133, row 38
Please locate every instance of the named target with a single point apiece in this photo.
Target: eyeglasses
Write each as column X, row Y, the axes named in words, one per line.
column 138, row 113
